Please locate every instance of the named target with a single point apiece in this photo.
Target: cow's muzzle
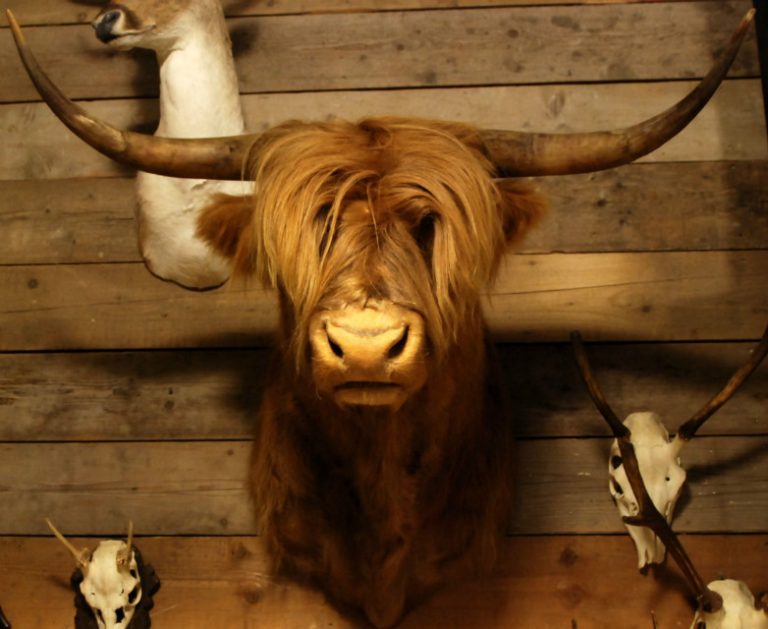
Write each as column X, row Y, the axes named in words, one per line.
column 369, row 356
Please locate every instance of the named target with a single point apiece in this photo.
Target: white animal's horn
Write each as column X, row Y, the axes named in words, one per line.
column 124, row 555
column 82, row 556
column 212, row 158
column 529, row 154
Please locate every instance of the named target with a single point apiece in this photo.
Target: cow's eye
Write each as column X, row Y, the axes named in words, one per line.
column 425, row 235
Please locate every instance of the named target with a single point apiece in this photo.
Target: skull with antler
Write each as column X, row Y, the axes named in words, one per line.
column 644, row 451
column 111, row 583
column 739, row 610
column 658, row 455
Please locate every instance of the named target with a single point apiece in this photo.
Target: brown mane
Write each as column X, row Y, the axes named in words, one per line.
column 423, row 180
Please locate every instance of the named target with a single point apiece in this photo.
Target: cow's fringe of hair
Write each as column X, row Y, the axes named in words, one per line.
column 434, row 175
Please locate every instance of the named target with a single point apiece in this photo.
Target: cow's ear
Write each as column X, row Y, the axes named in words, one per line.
column 521, row 207
column 225, row 224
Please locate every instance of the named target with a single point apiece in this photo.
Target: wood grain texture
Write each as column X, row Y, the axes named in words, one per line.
column 480, row 46
column 212, row 395
column 650, row 207
column 612, row 296
column 732, row 127
column 199, row 488
column 41, row 12
column 541, row 582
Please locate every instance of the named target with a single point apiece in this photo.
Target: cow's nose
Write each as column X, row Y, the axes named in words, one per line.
column 362, row 346
column 105, row 23
column 371, row 356
column 369, row 343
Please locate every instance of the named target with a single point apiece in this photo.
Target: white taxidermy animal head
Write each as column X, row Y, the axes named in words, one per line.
column 659, row 462
column 739, row 610
column 111, row 584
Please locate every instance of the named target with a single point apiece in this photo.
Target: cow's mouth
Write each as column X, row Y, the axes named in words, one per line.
column 369, row 393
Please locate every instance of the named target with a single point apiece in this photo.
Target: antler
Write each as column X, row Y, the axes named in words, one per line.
column 82, row 556
column 648, row 515
column 514, row 153
column 124, row 554
column 689, row 428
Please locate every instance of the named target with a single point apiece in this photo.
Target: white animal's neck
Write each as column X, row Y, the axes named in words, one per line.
column 199, row 94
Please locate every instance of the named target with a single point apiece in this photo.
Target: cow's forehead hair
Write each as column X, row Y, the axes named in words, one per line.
column 334, row 200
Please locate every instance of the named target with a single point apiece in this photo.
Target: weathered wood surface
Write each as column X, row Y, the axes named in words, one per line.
column 612, row 296
column 484, row 46
column 692, row 205
column 731, row 127
column 58, row 12
column 191, row 488
column 657, row 251
column 200, row 395
column 542, row 582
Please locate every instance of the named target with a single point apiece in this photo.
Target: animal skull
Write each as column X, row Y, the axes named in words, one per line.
column 738, row 611
column 659, row 462
column 111, row 584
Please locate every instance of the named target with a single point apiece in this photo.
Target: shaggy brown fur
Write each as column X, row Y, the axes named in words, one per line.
column 379, row 506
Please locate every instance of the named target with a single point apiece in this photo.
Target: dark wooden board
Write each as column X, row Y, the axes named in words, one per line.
column 706, row 206
column 57, row 12
column 481, row 46
column 204, row 395
column 191, row 488
column 611, row 296
column 732, row 127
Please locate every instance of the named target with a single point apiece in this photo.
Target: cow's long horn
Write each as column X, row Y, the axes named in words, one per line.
column 514, row 153
column 212, row 158
column 530, row 154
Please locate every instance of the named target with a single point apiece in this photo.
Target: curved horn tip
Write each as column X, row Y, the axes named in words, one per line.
column 15, row 28
column 748, row 17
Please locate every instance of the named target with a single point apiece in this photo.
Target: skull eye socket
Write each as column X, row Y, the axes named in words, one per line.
column 616, row 462
column 617, row 488
column 119, row 615
column 133, row 594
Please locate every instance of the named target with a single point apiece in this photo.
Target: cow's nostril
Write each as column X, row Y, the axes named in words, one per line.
column 397, row 348
column 335, row 347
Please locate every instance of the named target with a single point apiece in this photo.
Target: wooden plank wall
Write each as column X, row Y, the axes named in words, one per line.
column 125, row 397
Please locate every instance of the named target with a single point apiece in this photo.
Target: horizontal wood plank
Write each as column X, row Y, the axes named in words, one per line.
column 612, row 296
column 42, row 12
column 561, row 581
column 198, row 395
column 481, row 46
column 199, row 488
column 732, row 127
column 706, row 206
